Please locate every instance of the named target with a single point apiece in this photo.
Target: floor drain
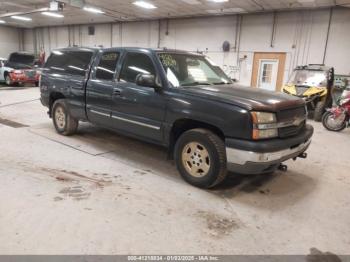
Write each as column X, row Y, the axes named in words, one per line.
column 10, row 123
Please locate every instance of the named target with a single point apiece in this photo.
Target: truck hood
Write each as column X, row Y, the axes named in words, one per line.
column 246, row 97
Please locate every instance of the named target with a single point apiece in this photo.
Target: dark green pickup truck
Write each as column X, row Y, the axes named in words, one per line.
column 179, row 100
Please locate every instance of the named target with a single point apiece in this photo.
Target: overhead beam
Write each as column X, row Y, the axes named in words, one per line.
column 24, row 13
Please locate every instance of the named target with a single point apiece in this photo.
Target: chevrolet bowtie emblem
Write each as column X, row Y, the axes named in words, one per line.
column 297, row 120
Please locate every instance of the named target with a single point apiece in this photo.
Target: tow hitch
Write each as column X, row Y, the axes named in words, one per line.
column 302, row 155
column 283, row 167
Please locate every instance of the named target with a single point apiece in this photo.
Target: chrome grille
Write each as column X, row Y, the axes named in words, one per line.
column 290, row 130
column 290, row 115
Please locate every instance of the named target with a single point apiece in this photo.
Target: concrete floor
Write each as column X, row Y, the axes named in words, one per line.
column 100, row 193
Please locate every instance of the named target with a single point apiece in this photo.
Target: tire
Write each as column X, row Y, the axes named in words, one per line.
column 64, row 123
column 8, row 80
column 200, row 157
column 325, row 120
column 319, row 111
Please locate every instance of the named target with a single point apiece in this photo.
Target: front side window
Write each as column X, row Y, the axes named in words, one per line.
column 107, row 65
column 71, row 62
column 191, row 70
column 135, row 64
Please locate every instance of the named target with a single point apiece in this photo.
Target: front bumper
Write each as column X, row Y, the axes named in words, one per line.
column 257, row 157
column 22, row 78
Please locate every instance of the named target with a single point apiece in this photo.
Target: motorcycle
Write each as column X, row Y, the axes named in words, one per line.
column 337, row 118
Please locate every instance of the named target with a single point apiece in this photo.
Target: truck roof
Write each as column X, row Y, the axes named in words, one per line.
column 158, row 50
column 22, row 53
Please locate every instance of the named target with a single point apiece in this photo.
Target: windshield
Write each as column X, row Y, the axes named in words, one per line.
column 192, row 70
column 22, row 59
column 309, row 78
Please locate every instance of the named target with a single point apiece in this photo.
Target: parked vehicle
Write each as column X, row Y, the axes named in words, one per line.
column 179, row 100
column 20, row 68
column 337, row 118
column 2, row 61
column 312, row 83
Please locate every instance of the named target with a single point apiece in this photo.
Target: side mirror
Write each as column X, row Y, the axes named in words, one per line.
column 147, row 81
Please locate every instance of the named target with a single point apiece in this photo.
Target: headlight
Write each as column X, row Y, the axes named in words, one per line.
column 263, row 117
column 264, row 125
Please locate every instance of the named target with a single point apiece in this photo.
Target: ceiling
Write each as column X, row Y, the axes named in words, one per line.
column 125, row 10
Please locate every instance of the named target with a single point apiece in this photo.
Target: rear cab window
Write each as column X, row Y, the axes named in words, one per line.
column 69, row 62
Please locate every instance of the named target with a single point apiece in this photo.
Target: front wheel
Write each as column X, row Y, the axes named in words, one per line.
column 200, row 157
column 64, row 123
column 319, row 111
column 334, row 124
column 8, row 80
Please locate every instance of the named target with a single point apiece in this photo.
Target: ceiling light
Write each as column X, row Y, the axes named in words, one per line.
column 22, row 18
column 306, row 1
column 233, row 10
column 53, row 14
column 93, row 10
column 218, row 1
column 144, row 4
column 192, row 2
column 2, row 22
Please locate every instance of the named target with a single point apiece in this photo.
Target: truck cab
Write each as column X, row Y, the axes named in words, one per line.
column 179, row 100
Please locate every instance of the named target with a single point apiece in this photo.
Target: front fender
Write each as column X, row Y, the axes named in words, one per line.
column 232, row 120
column 289, row 89
column 336, row 111
column 321, row 92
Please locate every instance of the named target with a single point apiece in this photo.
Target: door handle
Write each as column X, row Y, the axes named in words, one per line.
column 117, row 92
column 76, row 86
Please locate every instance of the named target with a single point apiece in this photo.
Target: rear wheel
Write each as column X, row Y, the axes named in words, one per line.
column 319, row 110
column 64, row 123
column 334, row 124
column 200, row 157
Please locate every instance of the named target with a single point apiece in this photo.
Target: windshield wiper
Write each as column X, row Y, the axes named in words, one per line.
column 221, row 83
column 196, row 84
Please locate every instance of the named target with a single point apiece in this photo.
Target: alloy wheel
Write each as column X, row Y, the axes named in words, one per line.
column 196, row 159
column 60, row 117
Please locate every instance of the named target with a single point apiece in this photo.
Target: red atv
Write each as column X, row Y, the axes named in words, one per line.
column 337, row 118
